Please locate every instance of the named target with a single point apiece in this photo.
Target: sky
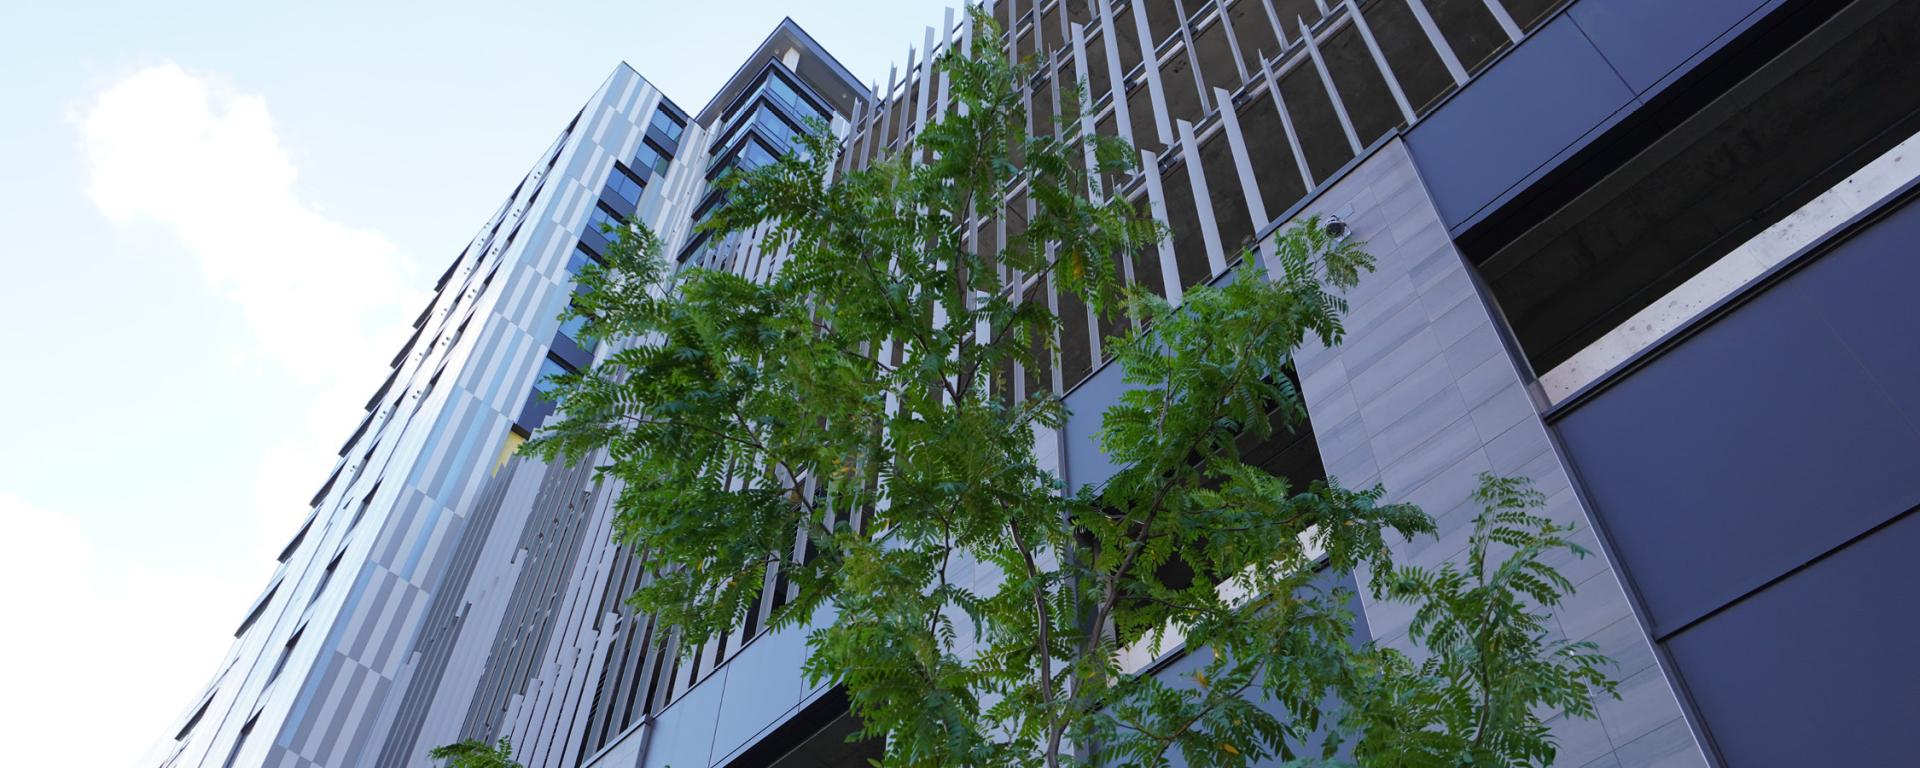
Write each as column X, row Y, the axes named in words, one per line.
column 219, row 220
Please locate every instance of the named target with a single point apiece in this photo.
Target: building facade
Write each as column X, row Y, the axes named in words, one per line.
column 1652, row 256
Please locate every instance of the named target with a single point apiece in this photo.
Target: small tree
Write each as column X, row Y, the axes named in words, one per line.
column 857, row 397
column 474, row 753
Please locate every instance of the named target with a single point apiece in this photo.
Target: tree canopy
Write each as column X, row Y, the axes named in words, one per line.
column 857, row 398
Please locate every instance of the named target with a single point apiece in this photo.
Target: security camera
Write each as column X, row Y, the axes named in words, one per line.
column 1337, row 228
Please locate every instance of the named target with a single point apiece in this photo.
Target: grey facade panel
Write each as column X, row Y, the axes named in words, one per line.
column 1421, row 398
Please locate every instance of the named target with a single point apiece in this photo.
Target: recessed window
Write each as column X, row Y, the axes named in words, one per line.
column 602, row 220
column 668, row 125
column 574, row 327
column 1590, row 270
column 652, row 158
column 624, row 184
column 550, row 368
column 580, row 258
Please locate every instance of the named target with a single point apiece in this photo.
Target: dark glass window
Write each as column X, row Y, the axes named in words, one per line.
column 602, row 220
column 775, row 127
column 652, row 158
column 580, row 258
column 550, row 368
column 668, row 125
column 750, row 155
column 573, row 327
column 624, row 184
column 780, row 90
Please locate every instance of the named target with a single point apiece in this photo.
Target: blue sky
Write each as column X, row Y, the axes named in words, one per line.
column 220, row 218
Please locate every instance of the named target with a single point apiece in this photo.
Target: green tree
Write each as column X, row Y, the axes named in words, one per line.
column 858, row 396
column 474, row 753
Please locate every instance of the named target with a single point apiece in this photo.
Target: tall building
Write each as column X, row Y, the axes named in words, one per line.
column 1653, row 256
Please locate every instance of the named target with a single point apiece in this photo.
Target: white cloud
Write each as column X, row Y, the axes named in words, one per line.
column 325, row 305
column 100, row 660
column 171, row 148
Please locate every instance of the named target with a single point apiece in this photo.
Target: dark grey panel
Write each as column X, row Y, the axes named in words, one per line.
column 1868, row 302
column 1645, row 40
column 1085, row 463
column 1775, row 434
column 1818, row 669
column 1531, row 106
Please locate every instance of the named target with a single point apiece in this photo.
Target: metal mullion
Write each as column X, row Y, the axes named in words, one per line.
column 926, row 88
column 1056, row 357
column 1152, row 62
column 1440, row 45
column 1202, row 201
column 1193, row 58
column 1233, row 45
column 1088, row 119
column 1286, row 122
column 1013, row 32
column 886, row 113
column 966, row 46
column 1053, row 92
column 853, row 138
column 1279, row 29
column 1380, row 60
column 1326, row 79
column 946, row 79
column 904, row 103
column 1243, row 164
column 1157, row 205
column 1116, row 79
column 1500, row 14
